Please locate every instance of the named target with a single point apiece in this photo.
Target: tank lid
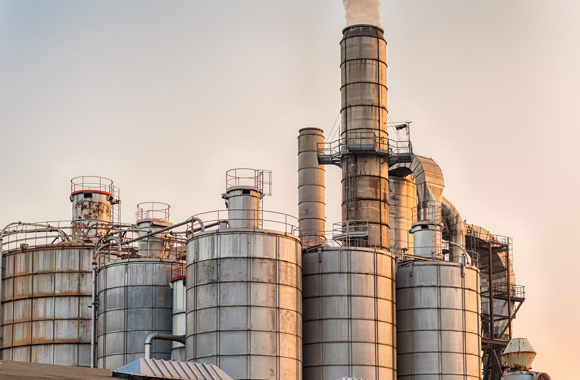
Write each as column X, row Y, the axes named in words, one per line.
column 519, row 354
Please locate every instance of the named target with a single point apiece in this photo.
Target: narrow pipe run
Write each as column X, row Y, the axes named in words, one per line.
column 156, row 335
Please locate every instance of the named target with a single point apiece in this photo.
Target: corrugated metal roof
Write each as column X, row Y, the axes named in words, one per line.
column 168, row 369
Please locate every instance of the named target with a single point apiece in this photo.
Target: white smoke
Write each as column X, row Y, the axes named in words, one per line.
column 362, row 12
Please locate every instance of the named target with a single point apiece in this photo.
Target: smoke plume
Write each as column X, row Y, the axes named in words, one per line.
column 362, row 12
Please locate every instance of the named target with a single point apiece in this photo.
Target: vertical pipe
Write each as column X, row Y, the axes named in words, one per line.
column 94, row 317
column 364, row 132
column 491, row 311
column 311, row 188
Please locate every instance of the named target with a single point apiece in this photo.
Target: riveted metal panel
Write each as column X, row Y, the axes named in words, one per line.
column 349, row 313
column 438, row 319
column 45, row 304
column 244, row 309
column 135, row 300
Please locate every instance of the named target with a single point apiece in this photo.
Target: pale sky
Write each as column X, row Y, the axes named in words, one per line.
column 164, row 96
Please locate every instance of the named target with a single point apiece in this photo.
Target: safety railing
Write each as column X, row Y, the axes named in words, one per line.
column 269, row 220
column 177, row 271
column 259, row 179
column 428, row 213
column 23, row 234
column 152, row 210
column 93, row 183
column 515, row 291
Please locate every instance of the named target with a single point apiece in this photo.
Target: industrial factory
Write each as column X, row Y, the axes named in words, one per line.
column 401, row 288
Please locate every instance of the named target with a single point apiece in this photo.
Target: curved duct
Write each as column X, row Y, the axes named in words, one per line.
column 428, row 178
column 426, row 228
column 452, row 219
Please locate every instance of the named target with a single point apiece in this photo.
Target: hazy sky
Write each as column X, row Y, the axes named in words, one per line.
column 165, row 96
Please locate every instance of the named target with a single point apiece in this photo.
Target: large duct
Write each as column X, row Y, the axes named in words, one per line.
column 311, row 189
column 363, row 137
column 427, row 221
column 456, row 229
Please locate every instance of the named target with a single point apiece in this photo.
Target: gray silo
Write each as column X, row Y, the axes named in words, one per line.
column 438, row 321
column 244, row 311
column 438, row 291
column 349, row 313
column 46, row 279
column 134, row 295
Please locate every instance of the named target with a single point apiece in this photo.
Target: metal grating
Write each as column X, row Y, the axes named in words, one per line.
column 168, row 369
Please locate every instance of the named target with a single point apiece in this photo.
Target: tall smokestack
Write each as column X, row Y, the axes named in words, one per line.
column 364, row 134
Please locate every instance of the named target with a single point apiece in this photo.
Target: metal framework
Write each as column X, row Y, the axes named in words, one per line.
column 501, row 299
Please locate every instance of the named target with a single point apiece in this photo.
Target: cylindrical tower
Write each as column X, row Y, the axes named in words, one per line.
column 363, row 136
column 438, row 321
column 135, row 300
column 426, row 230
column 179, row 309
column 94, row 201
column 152, row 216
column 45, row 303
column 402, row 200
column 244, row 299
column 311, row 188
column 245, row 189
column 349, row 314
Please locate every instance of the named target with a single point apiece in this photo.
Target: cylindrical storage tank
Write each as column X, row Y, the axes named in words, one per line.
column 244, row 303
column 92, row 206
column 363, row 134
column 349, row 314
column 179, row 327
column 438, row 321
column 311, row 188
column 46, row 294
column 134, row 300
column 402, row 201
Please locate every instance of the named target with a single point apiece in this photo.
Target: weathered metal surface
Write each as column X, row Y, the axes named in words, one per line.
column 402, row 199
column 45, row 304
column 519, row 354
column 311, row 188
column 349, row 314
column 438, row 321
column 244, row 303
column 135, row 300
column 166, row 369
column 244, row 205
column 522, row 375
column 178, row 324
column 364, row 123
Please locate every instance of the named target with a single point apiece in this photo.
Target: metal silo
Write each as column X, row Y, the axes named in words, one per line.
column 134, row 295
column 244, row 295
column 349, row 313
column 46, row 278
column 438, row 320
column 135, row 300
column 46, row 294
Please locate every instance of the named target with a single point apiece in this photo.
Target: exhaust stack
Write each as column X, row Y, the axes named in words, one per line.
column 363, row 137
